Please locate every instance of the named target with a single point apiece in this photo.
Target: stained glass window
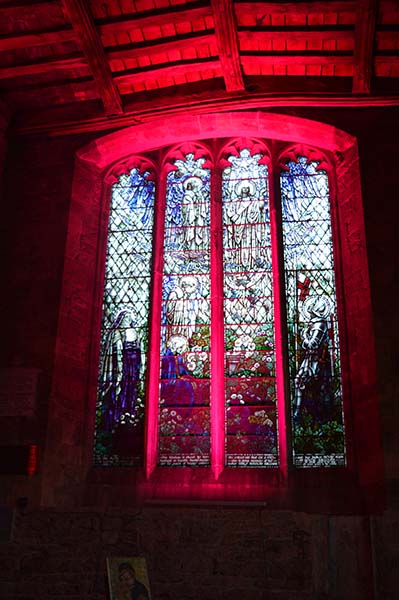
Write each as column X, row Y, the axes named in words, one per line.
column 314, row 356
column 124, row 337
column 217, row 379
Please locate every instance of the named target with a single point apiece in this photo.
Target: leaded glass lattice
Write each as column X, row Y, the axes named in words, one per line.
column 124, row 335
column 250, row 390
column 314, row 358
column 184, row 405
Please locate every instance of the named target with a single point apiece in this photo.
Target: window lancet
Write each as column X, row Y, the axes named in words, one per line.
column 314, row 350
column 249, row 349
column 124, row 336
column 184, row 409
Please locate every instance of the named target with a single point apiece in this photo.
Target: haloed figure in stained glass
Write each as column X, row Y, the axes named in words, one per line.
column 247, row 213
column 194, row 214
column 121, row 370
column 313, row 381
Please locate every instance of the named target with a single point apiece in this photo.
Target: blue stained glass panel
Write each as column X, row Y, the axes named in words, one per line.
column 119, row 432
column 314, row 359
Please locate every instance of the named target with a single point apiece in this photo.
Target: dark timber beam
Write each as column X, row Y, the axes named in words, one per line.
column 108, row 26
column 227, row 43
column 39, row 38
column 60, row 121
column 153, row 73
column 31, row 4
column 175, row 15
column 49, row 66
column 366, row 17
column 297, row 6
column 89, row 40
column 147, row 49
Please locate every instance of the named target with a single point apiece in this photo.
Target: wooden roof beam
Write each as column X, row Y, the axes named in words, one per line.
column 185, row 67
column 227, row 43
column 76, row 61
column 90, row 42
column 38, row 38
column 162, row 16
column 49, row 66
column 297, row 6
column 108, row 26
column 366, row 17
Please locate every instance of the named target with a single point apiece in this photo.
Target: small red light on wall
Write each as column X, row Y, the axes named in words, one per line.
column 32, row 460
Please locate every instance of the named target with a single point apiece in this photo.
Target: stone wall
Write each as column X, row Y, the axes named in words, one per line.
column 203, row 553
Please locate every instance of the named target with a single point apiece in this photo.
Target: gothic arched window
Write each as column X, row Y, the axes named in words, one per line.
column 215, row 324
column 220, row 339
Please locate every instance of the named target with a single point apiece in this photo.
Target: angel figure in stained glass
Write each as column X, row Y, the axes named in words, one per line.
column 245, row 216
column 194, row 214
column 187, row 203
column 141, row 196
column 120, row 372
column 184, row 307
column 313, row 381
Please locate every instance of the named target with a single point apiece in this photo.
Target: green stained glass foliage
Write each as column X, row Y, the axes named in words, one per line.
column 250, row 391
column 184, row 403
column 119, row 431
column 314, row 360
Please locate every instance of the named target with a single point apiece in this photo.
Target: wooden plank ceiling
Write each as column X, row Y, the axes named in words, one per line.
column 76, row 65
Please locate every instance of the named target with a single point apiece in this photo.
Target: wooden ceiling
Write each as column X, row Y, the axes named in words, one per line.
column 79, row 65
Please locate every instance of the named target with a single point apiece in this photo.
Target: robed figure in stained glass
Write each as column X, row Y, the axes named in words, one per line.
column 194, row 214
column 247, row 232
column 121, row 370
column 176, row 386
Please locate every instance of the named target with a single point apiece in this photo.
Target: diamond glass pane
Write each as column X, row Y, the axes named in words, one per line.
column 250, row 395
column 184, row 425
column 314, row 360
column 124, row 336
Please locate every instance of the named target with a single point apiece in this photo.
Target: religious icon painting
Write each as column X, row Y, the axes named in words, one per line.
column 128, row 578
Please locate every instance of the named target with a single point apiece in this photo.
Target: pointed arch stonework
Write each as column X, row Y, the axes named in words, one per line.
column 72, row 402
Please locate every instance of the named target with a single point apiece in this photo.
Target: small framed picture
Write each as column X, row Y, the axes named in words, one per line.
column 128, row 578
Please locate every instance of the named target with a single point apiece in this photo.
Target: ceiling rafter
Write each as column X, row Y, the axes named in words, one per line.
column 293, row 58
column 168, row 70
column 186, row 13
column 296, row 7
column 90, row 42
column 109, row 26
column 31, row 4
column 39, row 38
column 227, row 43
column 365, row 31
column 129, row 76
column 294, row 34
column 181, row 42
column 148, row 49
column 48, row 66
